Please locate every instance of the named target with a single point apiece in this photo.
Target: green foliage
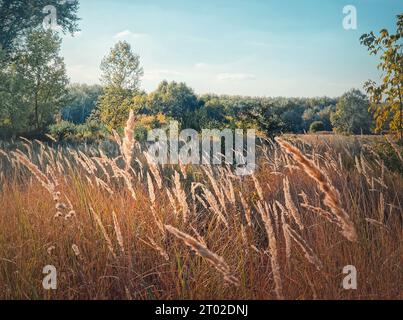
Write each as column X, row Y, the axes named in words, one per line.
column 263, row 118
column 318, row 113
column 44, row 72
column 317, row 126
column 140, row 133
column 33, row 86
column 114, row 106
column 174, row 100
column 387, row 98
column 121, row 68
column 352, row 115
column 91, row 130
column 13, row 107
column 67, row 131
column 292, row 120
column 274, row 115
column 269, row 115
column 212, row 115
column 62, row 130
column 325, row 117
column 82, row 101
column 121, row 74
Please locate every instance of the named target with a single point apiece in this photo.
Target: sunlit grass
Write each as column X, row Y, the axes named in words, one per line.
column 219, row 253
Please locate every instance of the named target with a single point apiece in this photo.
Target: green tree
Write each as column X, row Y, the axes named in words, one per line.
column 292, row 119
column 44, row 73
column 352, row 115
column 121, row 68
column 174, row 100
column 324, row 116
column 212, row 115
column 178, row 101
column 82, row 101
column 387, row 98
column 264, row 118
column 121, row 74
column 13, row 105
column 33, row 86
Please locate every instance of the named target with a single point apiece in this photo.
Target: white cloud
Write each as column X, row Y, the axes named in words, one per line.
column 128, row 33
column 201, row 65
column 235, row 76
column 123, row 34
column 162, row 74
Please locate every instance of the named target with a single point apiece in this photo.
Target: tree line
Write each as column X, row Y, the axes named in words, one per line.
column 36, row 97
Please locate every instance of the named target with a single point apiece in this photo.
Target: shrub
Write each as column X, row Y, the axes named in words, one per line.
column 317, row 126
column 91, row 130
column 144, row 123
column 65, row 130
column 62, row 130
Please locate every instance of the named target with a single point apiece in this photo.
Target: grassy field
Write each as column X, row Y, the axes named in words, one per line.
column 316, row 204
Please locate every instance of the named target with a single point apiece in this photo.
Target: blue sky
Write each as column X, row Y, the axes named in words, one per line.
column 246, row 47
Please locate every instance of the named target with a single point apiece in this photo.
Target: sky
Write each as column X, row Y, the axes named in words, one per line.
column 295, row 48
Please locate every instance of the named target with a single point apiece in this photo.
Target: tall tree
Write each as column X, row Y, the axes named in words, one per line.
column 121, row 73
column 121, row 68
column 387, row 98
column 44, row 73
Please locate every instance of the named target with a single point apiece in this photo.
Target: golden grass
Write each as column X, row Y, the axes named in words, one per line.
column 331, row 195
column 140, row 231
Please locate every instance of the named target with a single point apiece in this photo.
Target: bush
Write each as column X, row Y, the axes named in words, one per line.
column 145, row 123
column 91, row 130
column 62, row 130
column 65, row 130
column 317, row 126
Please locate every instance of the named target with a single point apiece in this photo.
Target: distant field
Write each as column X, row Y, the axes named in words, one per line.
column 336, row 139
column 179, row 232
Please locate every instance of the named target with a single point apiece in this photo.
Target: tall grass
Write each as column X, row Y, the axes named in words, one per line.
column 117, row 226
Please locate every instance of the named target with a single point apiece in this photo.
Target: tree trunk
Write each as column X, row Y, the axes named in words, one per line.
column 36, row 111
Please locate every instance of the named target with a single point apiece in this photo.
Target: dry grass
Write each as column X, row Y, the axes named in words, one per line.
column 118, row 227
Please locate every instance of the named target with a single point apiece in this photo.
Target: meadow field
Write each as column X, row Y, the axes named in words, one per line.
column 305, row 98
column 115, row 226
